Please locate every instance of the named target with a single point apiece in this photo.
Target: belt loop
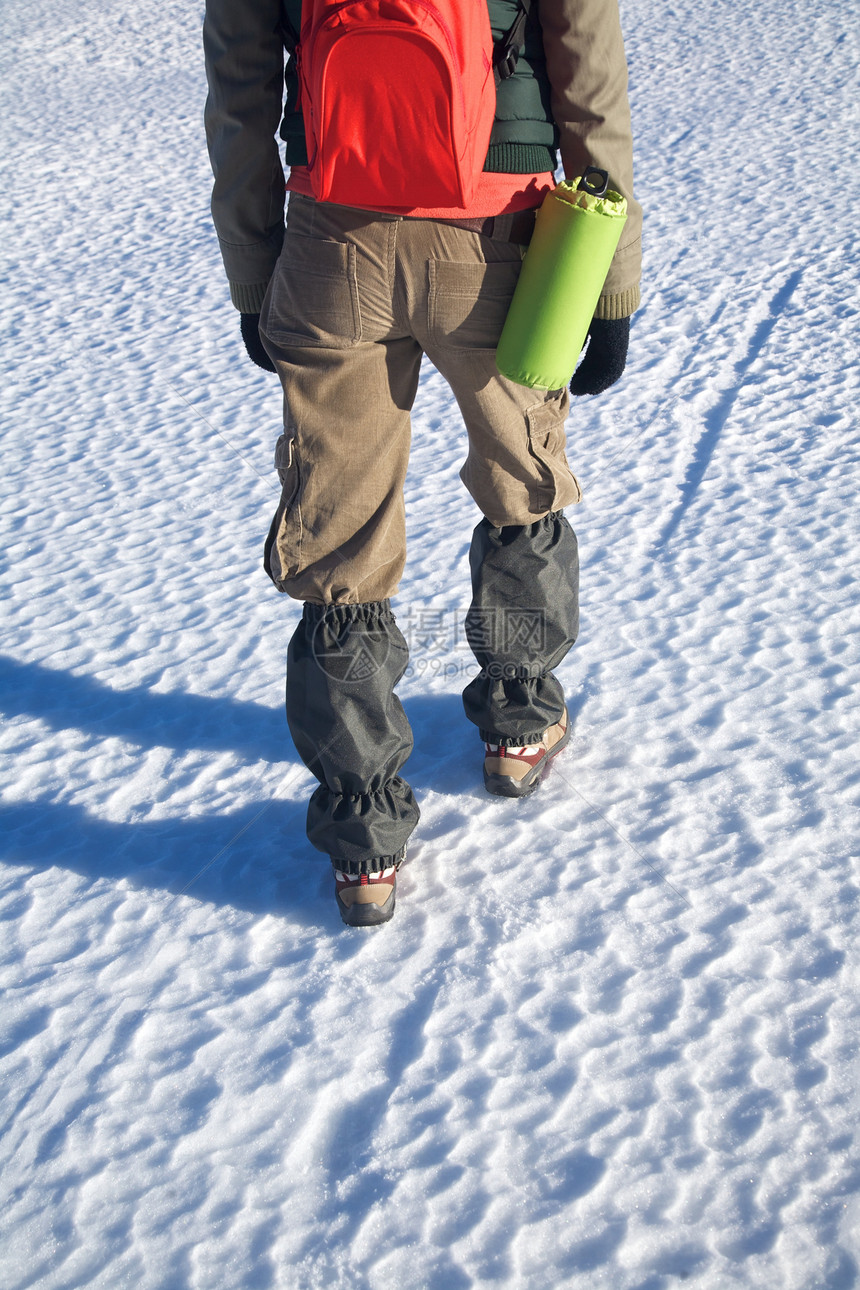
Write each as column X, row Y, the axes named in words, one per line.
column 523, row 226
column 502, row 228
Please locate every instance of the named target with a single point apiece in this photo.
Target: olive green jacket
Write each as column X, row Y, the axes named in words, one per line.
column 569, row 93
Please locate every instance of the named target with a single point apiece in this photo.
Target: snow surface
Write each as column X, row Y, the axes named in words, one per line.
column 610, row 1038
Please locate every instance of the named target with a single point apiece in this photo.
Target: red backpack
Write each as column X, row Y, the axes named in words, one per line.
column 399, row 98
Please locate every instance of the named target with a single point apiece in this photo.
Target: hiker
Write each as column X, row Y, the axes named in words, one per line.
column 343, row 304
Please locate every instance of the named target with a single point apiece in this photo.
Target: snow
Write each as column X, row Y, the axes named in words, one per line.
column 610, row 1038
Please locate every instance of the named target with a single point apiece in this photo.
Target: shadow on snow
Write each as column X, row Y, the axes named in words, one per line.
column 248, row 858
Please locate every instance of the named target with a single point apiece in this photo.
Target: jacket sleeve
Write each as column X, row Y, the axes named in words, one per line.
column 587, row 70
column 244, row 56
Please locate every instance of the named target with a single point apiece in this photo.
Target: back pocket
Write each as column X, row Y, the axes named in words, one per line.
column 468, row 303
column 313, row 300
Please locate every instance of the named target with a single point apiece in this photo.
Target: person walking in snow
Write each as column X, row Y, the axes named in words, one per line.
column 342, row 304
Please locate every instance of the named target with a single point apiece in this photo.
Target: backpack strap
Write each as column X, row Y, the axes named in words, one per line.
column 289, row 36
column 507, row 52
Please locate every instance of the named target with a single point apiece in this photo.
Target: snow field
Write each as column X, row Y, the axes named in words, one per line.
column 610, row 1037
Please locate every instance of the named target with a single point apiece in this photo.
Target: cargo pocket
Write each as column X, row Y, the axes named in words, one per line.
column 468, row 303
column 558, row 485
column 283, row 547
column 313, row 299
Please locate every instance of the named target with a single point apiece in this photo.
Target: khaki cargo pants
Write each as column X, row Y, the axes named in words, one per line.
column 355, row 300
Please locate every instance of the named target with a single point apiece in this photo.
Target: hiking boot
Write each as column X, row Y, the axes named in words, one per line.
column 516, row 771
column 366, row 899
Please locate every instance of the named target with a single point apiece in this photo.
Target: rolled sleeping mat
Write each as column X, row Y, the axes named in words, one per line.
column 577, row 230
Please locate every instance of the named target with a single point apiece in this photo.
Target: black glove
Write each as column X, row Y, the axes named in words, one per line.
column 605, row 357
column 251, row 336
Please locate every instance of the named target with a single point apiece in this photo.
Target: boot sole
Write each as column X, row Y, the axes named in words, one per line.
column 507, row 786
column 370, row 915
